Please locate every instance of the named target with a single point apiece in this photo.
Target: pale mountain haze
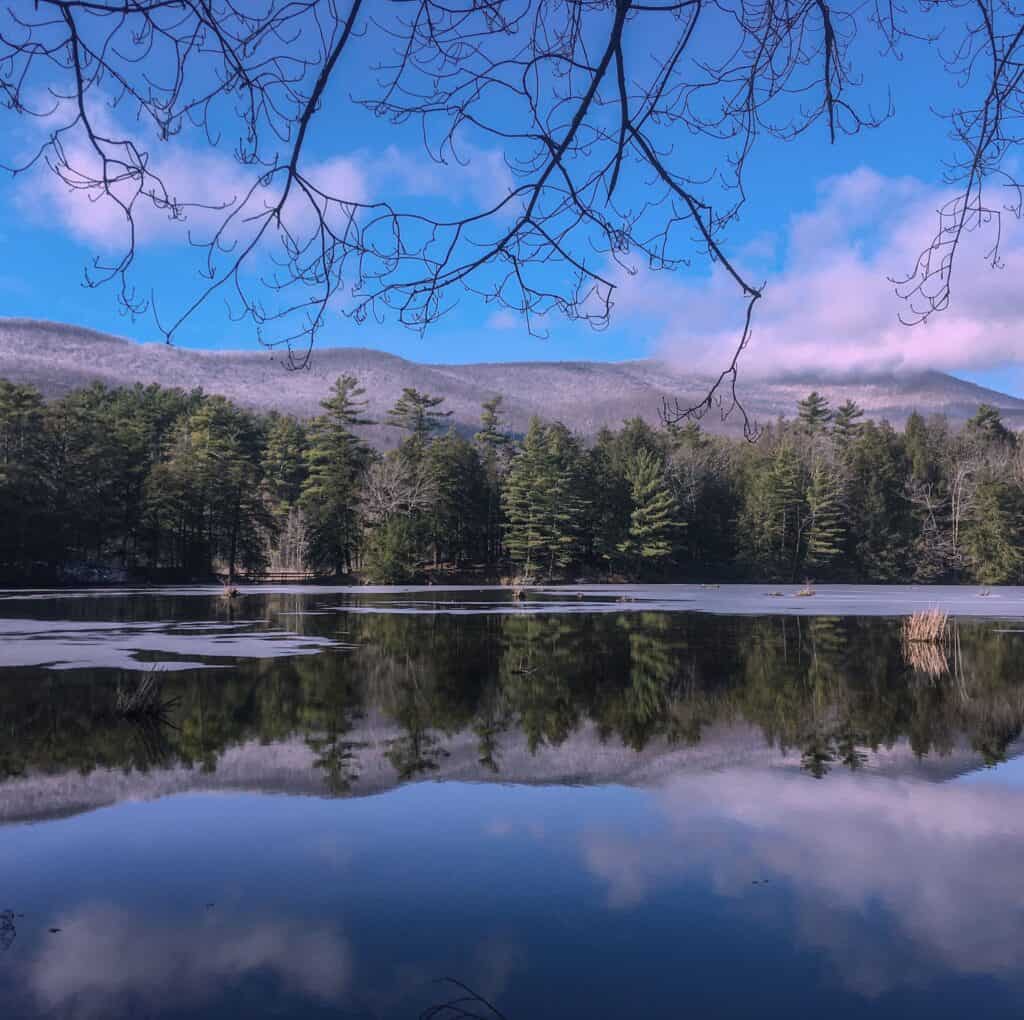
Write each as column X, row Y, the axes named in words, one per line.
column 586, row 395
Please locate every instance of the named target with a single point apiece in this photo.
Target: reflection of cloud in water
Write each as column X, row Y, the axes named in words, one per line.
column 501, row 827
column 107, row 957
column 496, row 962
column 943, row 862
column 73, row 644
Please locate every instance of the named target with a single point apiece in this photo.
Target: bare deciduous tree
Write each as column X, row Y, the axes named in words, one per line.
column 394, row 486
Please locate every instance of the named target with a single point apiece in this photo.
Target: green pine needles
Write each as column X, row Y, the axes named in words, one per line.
column 652, row 521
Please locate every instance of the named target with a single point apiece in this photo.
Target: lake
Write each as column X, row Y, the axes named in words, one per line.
column 585, row 802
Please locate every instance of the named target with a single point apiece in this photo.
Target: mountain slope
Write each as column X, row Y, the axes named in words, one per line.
column 585, row 395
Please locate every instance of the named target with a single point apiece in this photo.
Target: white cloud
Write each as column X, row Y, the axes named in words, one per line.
column 210, row 180
column 481, row 173
column 504, row 319
column 831, row 307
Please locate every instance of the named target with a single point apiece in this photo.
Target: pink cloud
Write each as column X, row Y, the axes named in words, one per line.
column 831, row 307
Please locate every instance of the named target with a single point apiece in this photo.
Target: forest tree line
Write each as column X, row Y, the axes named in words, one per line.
column 167, row 483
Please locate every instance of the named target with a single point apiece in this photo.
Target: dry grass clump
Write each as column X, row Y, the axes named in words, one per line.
column 145, row 700
column 930, row 626
column 926, row 657
column 925, row 636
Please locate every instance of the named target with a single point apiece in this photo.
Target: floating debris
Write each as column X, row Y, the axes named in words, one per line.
column 8, row 932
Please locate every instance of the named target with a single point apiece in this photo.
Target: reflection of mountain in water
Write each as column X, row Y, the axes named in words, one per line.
column 589, row 698
column 291, row 767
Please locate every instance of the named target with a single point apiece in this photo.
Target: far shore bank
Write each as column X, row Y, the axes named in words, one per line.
column 739, row 599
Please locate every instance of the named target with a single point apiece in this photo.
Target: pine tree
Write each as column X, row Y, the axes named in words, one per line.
column 987, row 424
column 653, row 518
column 22, row 509
column 846, row 422
column 993, row 540
column 284, row 464
column 492, row 435
column 786, row 507
column 813, row 413
column 335, row 462
column 915, row 441
column 206, row 494
column 457, row 518
column 825, row 517
column 494, row 445
column 543, row 502
column 417, row 414
column 878, row 516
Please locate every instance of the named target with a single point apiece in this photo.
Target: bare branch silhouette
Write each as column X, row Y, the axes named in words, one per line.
column 591, row 108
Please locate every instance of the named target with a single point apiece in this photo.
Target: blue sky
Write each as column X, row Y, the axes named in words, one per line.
column 823, row 225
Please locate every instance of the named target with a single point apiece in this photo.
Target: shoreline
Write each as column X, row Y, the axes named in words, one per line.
column 739, row 599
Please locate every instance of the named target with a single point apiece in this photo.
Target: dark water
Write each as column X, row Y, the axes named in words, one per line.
column 352, row 802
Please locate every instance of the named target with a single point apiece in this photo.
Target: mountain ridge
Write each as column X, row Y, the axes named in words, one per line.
column 586, row 395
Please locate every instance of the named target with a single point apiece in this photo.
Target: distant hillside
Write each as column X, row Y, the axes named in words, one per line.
column 584, row 394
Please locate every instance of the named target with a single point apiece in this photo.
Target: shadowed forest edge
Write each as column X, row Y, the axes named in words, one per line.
column 157, row 484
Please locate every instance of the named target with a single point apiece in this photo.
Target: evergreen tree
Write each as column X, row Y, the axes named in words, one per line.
column 653, row 519
column 391, row 551
column 846, row 422
column 988, row 425
column 417, row 414
column 457, row 518
column 22, row 507
column 493, row 443
column 825, row 517
column 774, row 514
column 86, row 463
column 879, row 521
column 915, row 441
column 284, row 472
column 544, row 506
column 335, row 462
column 205, row 496
column 492, row 435
column 813, row 413
column 993, row 541
column 284, row 463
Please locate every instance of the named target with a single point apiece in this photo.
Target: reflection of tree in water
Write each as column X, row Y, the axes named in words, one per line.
column 833, row 690
column 545, row 659
column 414, row 753
column 338, row 760
column 494, row 718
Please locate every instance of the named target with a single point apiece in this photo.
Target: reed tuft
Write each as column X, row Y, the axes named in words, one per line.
column 930, row 626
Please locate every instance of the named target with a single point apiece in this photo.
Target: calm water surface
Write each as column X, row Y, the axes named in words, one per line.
column 586, row 804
